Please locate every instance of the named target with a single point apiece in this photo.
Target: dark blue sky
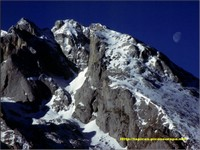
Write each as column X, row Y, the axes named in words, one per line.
column 151, row 22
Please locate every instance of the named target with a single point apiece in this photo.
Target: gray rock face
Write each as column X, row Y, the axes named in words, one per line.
column 26, row 54
column 26, row 90
column 73, row 39
column 117, row 109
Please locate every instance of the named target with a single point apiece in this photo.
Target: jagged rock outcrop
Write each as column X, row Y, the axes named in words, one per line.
column 73, row 39
column 13, row 138
column 28, row 52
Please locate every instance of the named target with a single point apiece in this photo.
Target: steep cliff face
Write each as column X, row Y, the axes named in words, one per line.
column 28, row 54
column 73, row 39
column 85, row 80
column 132, row 90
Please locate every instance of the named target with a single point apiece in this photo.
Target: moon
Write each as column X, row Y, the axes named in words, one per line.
column 177, row 37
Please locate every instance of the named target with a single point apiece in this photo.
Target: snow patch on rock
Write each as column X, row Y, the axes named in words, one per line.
column 3, row 33
column 77, row 82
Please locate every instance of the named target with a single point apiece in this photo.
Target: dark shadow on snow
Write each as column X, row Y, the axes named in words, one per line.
column 19, row 116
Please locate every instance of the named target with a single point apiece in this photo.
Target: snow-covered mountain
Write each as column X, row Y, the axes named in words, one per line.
column 87, row 87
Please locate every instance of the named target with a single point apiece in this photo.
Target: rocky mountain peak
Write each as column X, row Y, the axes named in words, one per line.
column 69, row 26
column 24, row 22
column 26, row 25
column 125, row 51
column 112, row 83
column 119, row 61
column 28, row 52
column 74, row 41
